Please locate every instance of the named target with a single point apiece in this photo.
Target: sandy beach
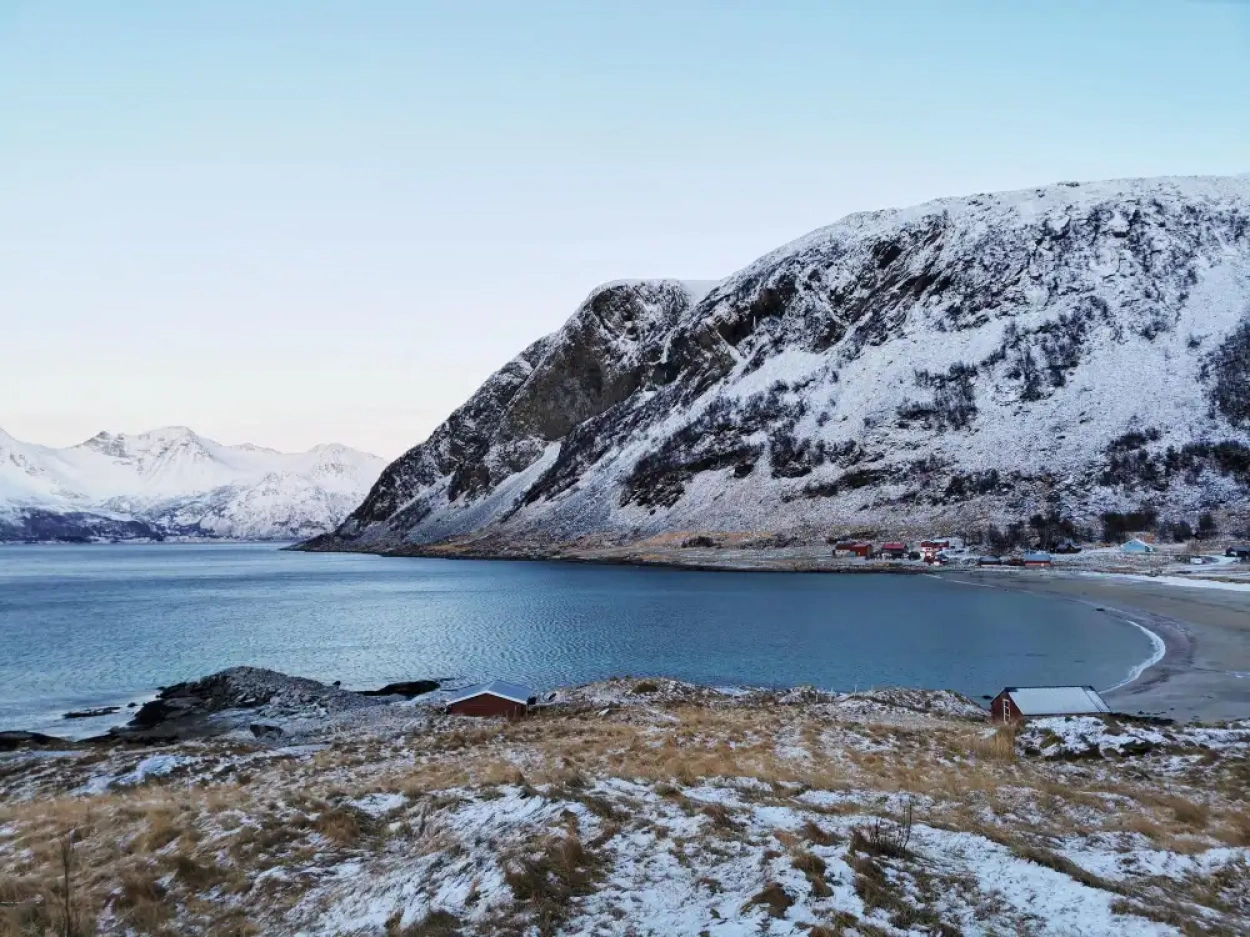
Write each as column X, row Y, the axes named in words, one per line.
column 1205, row 672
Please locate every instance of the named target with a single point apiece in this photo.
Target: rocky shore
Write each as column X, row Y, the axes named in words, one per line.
column 264, row 702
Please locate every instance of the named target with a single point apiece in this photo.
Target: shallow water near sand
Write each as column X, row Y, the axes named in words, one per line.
column 84, row 626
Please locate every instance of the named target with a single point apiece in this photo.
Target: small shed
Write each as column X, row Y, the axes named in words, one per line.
column 1022, row 702
column 496, row 698
column 1136, row 546
column 1037, row 558
column 1240, row 551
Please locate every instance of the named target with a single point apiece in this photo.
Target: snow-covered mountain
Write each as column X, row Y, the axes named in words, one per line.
column 1072, row 349
column 174, row 482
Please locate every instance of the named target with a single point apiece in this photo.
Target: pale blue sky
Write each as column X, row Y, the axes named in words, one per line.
column 295, row 222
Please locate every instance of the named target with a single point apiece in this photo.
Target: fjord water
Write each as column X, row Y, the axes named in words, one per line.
column 90, row 625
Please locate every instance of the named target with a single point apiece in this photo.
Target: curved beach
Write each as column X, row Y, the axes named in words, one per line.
column 1204, row 673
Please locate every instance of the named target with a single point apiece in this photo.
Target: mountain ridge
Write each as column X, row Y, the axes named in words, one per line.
column 1076, row 349
column 173, row 482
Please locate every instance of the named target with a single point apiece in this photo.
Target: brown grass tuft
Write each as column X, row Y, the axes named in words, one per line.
column 545, row 884
column 773, row 898
column 816, row 835
column 343, row 826
column 813, row 867
column 999, row 746
column 437, row 923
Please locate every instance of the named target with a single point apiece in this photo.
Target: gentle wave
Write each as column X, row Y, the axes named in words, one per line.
column 1160, row 649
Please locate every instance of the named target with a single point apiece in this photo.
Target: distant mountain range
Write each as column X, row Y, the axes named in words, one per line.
column 1071, row 350
column 172, row 482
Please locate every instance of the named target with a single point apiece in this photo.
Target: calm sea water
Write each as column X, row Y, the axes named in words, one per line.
column 93, row 625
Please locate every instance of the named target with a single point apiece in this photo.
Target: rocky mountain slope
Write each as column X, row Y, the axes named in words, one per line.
column 173, row 482
column 1068, row 350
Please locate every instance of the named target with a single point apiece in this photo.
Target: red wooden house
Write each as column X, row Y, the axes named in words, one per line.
column 1016, row 703
column 852, row 548
column 497, row 698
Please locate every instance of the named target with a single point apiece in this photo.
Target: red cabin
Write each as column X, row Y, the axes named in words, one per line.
column 894, row 550
column 497, row 698
column 852, row 548
column 1016, row 703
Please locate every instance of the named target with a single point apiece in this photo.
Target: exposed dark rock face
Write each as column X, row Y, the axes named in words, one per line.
column 14, row 740
column 407, row 688
column 92, row 713
column 187, row 710
column 969, row 360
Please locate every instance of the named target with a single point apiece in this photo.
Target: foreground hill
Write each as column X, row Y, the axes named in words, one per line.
column 174, row 482
column 636, row 807
column 1076, row 348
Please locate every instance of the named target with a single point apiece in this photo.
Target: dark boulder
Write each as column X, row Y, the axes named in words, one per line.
column 407, row 689
column 92, row 713
column 11, row 741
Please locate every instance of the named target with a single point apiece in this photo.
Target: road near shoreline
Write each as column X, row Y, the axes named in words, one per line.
column 1204, row 674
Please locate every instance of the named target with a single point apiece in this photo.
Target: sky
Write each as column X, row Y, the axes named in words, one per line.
column 298, row 222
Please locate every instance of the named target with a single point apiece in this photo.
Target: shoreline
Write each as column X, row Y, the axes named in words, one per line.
column 1202, row 675
column 1160, row 651
column 1198, row 669
column 1206, row 645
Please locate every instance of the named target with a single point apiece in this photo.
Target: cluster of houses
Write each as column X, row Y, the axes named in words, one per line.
column 926, row 550
column 937, row 552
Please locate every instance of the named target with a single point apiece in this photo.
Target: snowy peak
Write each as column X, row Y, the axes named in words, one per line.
column 974, row 361
column 164, row 474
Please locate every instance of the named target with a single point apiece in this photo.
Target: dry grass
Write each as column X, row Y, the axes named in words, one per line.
column 437, row 923
column 813, row 867
column 545, row 884
column 1000, row 746
column 151, row 856
column 344, row 826
column 773, row 898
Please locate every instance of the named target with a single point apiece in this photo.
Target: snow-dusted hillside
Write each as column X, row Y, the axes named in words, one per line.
column 173, row 482
column 1075, row 348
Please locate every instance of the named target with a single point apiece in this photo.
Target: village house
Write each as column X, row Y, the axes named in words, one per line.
column 496, row 698
column 1240, row 551
column 1015, row 703
column 1037, row 558
column 852, row 548
column 894, row 550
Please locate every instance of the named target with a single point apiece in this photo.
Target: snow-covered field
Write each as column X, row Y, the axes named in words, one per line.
column 645, row 807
